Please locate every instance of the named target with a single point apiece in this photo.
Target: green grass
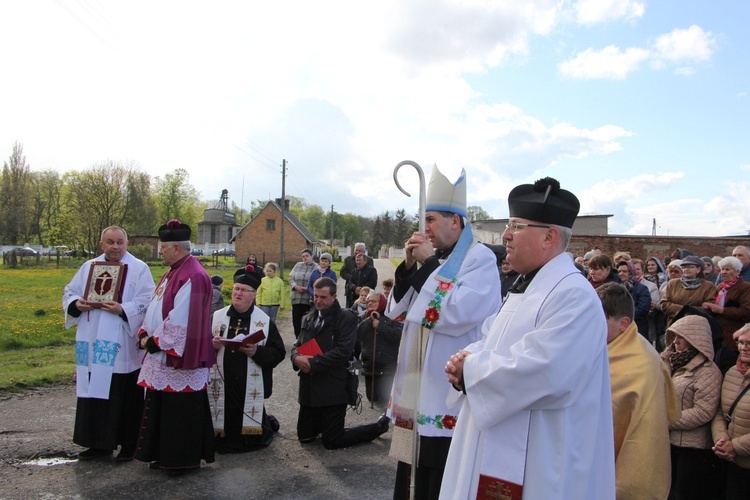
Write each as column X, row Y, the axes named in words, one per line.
column 35, row 348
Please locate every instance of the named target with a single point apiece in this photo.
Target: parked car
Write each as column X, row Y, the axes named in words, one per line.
column 196, row 251
column 58, row 250
column 224, row 251
column 25, row 251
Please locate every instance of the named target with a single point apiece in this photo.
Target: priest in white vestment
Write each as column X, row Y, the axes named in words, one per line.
column 110, row 403
column 447, row 298
column 536, row 419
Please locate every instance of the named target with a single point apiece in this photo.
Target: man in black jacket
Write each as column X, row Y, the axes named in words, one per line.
column 364, row 274
column 323, row 377
column 348, row 268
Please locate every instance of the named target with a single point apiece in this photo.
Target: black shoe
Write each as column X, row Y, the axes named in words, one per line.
column 125, row 455
column 93, row 453
column 384, row 423
column 155, row 465
column 181, row 472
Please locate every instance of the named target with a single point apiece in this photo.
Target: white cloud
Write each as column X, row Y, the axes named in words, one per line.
column 607, row 63
column 468, row 35
column 680, row 47
column 691, row 44
column 597, row 11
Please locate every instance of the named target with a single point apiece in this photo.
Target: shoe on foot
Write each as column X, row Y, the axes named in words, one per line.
column 93, row 453
column 384, row 423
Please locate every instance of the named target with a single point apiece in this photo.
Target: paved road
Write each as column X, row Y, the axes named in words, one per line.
column 39, row 424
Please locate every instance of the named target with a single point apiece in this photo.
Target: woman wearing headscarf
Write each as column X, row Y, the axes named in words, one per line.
column 379, row 337
column 691, row 289
column 710, row 271
column 731, row 425
column 602, row 271
column 697, row 381
column 732, row 305
column 638, row 292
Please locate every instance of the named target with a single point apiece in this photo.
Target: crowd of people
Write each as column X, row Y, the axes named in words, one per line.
column 506, row 371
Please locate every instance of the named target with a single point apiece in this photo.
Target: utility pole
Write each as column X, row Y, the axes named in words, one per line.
column 331, row 244
column 283, row 216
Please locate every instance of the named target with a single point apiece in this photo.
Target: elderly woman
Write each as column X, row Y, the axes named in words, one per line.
column 732, row 305
column 690, row 290
column 697, row 381
column 299, row 277
column 731, row 426
column 602, row 271
column 379, row 337
column 322, row 270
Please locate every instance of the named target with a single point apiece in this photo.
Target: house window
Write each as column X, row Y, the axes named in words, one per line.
column 270, row 225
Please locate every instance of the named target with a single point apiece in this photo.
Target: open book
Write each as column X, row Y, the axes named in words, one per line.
column 244, row 340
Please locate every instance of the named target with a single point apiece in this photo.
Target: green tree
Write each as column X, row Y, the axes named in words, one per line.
column 46, row 205
column 15, row 198
column 315, row 220
column 108, row 194
column 176, row 198
column 402, row 229
column 475, row 212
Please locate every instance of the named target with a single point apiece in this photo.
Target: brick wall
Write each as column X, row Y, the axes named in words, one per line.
column 265, row 243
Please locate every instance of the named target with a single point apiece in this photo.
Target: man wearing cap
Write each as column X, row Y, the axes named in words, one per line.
column 243, row 375
column 176, row 432
column 536, row 418
column 444, row 303
column 110, row 403
column 217, row 302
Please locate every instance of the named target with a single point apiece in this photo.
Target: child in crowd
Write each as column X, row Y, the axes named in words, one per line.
column 387, row 287
column 360, row 305
column 270, row 292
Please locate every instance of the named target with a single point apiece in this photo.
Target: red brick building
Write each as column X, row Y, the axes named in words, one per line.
column 262, row 236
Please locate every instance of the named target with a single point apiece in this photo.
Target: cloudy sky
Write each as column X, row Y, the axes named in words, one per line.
column 639, row 107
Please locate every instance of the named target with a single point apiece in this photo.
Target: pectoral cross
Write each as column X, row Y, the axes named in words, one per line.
column 237, row 327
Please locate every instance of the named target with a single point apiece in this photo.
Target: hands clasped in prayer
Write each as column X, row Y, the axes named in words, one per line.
column 455, row 368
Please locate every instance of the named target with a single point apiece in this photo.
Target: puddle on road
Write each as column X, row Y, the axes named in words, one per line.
column 50, row 461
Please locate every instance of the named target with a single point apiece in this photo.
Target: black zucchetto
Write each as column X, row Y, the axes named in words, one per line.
column 249, row 276
column 544, row 201
column 174, row 230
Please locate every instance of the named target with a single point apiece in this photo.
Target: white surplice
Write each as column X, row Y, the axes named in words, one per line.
column 98, row 328
column 538, row 408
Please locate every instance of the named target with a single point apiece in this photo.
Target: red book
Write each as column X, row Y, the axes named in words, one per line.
column 309, row 348
column 245, row 340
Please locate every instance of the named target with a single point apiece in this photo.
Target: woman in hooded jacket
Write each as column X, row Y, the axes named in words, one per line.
column 697, row 382
column 655, row 272
column 379, row 337
column 731, row 426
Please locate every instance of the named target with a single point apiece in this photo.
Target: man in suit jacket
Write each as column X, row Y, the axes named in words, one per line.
column 323, row 395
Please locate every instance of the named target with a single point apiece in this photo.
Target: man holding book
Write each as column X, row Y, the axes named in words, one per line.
column 248, row 347
column 321, row 355
column 107, row 300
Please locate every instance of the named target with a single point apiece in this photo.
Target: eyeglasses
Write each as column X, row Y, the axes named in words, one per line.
column 742, row 343
column 244, row 290
column 514, row 227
